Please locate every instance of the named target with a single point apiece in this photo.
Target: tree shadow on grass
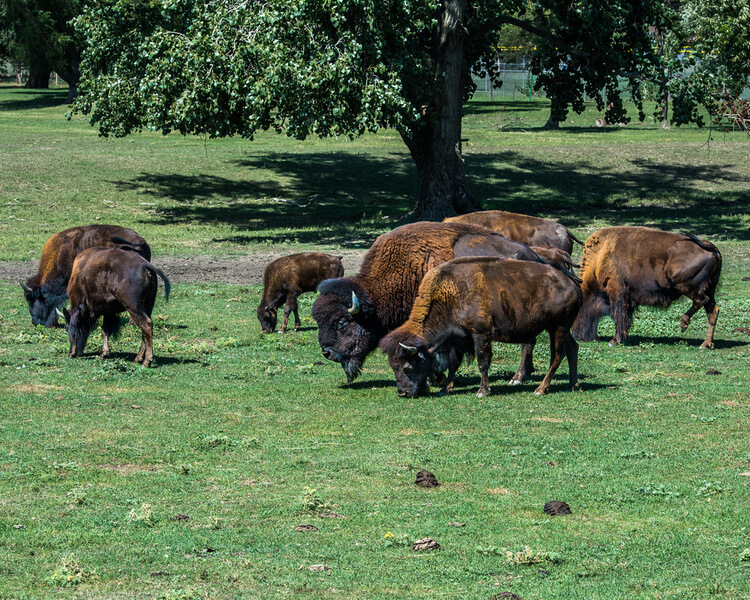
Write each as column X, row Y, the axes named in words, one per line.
column 26, row 99
column 348, row 199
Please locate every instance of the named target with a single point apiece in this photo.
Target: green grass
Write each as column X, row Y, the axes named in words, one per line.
column 186, row 480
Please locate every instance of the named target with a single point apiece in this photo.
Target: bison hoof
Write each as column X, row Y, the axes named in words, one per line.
column 483, row 393
column 538, row 393
column 515, row 381
column 705, row 345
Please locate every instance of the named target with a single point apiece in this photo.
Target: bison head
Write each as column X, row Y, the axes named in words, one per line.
column 267, row 318
column 42, row 305
column 348, row 327
column 78, row 324
column 411, row 361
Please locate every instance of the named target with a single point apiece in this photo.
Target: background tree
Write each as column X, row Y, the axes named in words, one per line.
column 39, row 35
column 344, row 67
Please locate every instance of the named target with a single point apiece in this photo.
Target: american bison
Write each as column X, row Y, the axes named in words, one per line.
column 104, row 283
column 47, row 290
column 532, row 231
column 289, row 276
column 624, row 267
column 467, row 303
column 354, row 313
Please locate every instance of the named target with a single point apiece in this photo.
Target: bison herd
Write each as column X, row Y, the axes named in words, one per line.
column 427, row 294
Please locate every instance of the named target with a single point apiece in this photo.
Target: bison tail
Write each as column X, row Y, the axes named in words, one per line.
column 575, row 239
column 167, row 286
column 705, row 244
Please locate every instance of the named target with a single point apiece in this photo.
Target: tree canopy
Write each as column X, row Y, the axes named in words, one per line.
column 39, row 35
column 345, row 67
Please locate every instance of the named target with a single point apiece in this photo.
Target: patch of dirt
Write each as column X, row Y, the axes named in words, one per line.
column 199, row 268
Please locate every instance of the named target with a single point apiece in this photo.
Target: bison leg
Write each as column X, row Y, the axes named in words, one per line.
column 526, row 367
column 483, row 348
column 713, row 314
column 622, row 315
column 291, row 307
column 146, row 353
column 571, row 352
column 110, row 326
column 557, row 351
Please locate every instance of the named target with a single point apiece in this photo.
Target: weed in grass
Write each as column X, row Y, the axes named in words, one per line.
column 402, row 540
column 312, row 503
column 189, row 594
column 71, row 574
column 143, row 516
column 710, row 488
column 658, row 491
column 745, row 555
column 528, row 556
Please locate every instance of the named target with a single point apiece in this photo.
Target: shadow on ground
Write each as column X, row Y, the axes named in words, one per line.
column 339, row 196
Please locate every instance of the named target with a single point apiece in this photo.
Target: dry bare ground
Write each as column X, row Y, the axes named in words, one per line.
column 238, row 270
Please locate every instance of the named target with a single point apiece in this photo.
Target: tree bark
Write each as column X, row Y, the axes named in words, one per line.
column 435, row 140
column 38, row 78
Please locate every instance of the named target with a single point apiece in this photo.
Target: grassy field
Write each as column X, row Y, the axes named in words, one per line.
column 187, row 480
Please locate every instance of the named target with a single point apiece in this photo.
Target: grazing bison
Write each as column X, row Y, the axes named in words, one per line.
column 623, row 267
column 47, row 290
column 532, row 231
column 354, row 313
column 104, row 283
column 467, row 303
column 289, row 276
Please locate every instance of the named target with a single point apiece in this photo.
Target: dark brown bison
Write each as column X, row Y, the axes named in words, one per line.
column 467, row 303
column 624, row 267
column 289, row 276
column 104, row 283
column 532, row 231
column 354, row 313
column 47, row 290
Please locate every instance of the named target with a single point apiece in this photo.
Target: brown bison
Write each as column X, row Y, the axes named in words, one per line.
column 624, row 267
column 532, row 231
column 289, row 276
column 467, row 303
column 47, row 290
column 354, row 313
column 104, row 283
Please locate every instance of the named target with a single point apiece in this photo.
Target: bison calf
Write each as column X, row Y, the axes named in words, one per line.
column 624, row 267
column 289, row 276
column 104, row 283
column 47, row 290
column 467, row 303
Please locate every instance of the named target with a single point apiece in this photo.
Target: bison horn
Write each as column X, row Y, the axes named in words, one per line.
column 59, row 312
column 410, row 349
column 355, row 305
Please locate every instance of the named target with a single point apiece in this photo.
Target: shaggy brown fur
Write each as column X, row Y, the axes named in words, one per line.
column 467, row 303
column 387, row 284
column 624, row 267
column 532, row 231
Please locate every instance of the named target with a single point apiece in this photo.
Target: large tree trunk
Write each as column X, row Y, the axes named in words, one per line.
column 71, row 73
column 435, row 140
column 38, row 78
